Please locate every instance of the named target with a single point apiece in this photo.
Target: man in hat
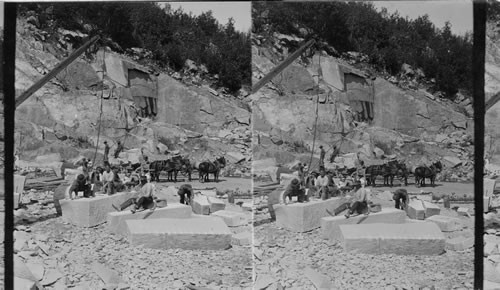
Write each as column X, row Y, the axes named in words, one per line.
column 119, row 149
column 80, row 184
column 361, row 199
column 301, row 173
column 322, row 154
column 322, row 185
column 185, row 193
column 108, row 177
column 106, row 151
column 294, row 189
column 400, row 196
column 145, row 198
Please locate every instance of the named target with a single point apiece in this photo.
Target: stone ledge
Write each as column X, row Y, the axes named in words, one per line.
column 116, row 220
column 232, row 218
column 330, row 225
column 400, row 239
column 446, row 223
column 190, row 234
column 89, row 212
column 303, row 217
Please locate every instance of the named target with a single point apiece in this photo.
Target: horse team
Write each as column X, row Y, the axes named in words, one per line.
column 397, row 168
column 181, row 164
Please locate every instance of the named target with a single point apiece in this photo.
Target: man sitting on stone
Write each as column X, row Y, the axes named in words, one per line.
column 360, row 201
column 311, row 184
column 145, row 199
column 108, row 177
column 333, row 189
column 322, row 185
column 80, row 184
column 400, row 196
column 185, row 193
column 294, row 189
column 96, row 179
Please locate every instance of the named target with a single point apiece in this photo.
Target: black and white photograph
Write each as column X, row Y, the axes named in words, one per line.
column 363, row 149
column 491, row 183
column 133, row 146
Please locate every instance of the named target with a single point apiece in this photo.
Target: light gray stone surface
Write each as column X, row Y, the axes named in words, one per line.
column 89, row 212
column 232, row 218
column 190, row 234
column 116, row 220
column 416, row 210
column 459, row 243
column 400, row 239
column 330, row 225
column 303, row 217
column 216, row 204
column 431, row 209
column 446, row 223
column 200, row 204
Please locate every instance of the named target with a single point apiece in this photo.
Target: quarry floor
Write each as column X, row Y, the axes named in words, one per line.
column 283, row 255
column 70, row 252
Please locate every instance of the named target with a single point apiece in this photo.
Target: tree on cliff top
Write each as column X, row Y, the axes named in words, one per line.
column 171, row 36
column 389, row 40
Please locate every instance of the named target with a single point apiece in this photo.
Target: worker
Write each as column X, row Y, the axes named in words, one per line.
column 96, row 179
column 301, row 173
column 401, row 199
column 106, row 151
column 322, row 156
column 361, row 198
column 333, row 189
column 294, row 189
column 119, row 149
column 185, row 193
column 80, row 184
column 108, row 177
column 335, row 153
column 145, row 198
column 322, row 185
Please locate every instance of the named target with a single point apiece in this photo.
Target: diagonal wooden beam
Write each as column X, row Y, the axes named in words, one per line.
column 492, row 101
column 63, row 64
column 280, row 67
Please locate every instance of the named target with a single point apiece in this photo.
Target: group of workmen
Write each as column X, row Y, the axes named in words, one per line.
column 323, row 186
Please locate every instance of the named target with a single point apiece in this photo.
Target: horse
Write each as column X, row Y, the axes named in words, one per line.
column 172, row 166
column 372, row 171
column 393, row 169
column 423, row 172
column 207, row 167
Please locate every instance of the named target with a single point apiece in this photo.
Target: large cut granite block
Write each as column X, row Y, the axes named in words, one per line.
column 460, row 243
column 216, row 204
column 89, row 212
column 189, row 234
column 431, row 209
column 416, row 210
column 232, row 218
column 303, row 217
column 200, row 204
column 330, row 225
column 116, row 220
column 446, row 223
column 400, row 239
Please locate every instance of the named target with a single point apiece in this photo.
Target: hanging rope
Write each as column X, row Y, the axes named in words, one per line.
column 316, row 118
column 100, row 106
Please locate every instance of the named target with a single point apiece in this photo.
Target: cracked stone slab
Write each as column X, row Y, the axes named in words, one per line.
column 303, row 217
column 400, row 239
column 116, row 220
column 89, row 212
column 330, row 225
column 189, row 234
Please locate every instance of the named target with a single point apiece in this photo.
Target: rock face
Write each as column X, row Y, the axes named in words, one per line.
column 492, row 87
column 358, row 113
column 144, row 110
